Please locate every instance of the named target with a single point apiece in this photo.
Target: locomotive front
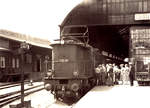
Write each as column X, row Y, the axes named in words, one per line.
column 72, row 70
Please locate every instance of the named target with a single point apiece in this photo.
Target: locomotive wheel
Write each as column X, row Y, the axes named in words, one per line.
column 75, row 87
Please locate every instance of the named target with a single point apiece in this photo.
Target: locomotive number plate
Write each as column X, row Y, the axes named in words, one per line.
column 62, row 60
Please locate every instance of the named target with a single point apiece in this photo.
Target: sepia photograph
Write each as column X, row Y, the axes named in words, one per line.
column 74, row 53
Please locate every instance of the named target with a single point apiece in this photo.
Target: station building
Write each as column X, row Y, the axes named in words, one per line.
column 35, row 59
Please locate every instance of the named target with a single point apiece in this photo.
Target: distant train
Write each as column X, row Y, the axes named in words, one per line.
column 10, row 57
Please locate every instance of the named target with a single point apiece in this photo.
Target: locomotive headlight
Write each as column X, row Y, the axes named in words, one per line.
column 75, row 73
column 49, row 74
column 48, row 87
column 75, row 87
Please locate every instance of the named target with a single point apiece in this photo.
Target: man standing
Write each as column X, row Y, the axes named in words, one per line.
column 132, row 74
column 104, row 74
column 97, row 73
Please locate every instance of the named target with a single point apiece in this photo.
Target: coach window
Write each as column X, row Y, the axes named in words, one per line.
column 13, row 63
column 2, row 62
column 17, row 63
column 28, row 58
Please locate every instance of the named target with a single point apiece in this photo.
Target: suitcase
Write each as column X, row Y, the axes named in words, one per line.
column 109, row 81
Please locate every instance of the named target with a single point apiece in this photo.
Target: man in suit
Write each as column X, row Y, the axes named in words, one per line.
column 132, row 74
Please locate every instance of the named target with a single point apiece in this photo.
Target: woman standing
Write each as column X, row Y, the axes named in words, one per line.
column 122, row 74
column 126, row 74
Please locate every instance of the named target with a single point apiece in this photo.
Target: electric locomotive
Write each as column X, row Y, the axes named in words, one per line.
column 73, row 63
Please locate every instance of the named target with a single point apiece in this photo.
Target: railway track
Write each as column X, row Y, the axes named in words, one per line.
column 10, row 97
column 4, row 86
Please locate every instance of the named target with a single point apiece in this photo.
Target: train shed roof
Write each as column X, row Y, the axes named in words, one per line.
column 107, row 12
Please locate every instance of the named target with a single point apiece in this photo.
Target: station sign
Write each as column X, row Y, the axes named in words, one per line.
column 142, row 16
column 104, row 53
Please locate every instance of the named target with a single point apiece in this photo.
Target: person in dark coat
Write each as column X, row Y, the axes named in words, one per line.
column 132, row 74
column 110, row 75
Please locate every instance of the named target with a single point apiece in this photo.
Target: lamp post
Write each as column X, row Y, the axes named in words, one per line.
column 24, row 47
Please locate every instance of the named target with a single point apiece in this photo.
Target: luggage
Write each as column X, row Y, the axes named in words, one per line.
column 109, row 81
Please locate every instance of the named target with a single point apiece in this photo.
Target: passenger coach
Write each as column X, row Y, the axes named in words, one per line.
column 35, row 59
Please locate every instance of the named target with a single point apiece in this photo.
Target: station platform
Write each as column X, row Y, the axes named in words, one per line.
column 119, row 96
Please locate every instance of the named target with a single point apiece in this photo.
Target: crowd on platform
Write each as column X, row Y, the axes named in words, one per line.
column 110, row 74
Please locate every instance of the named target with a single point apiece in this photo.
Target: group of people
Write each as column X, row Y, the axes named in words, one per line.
column 111, row 74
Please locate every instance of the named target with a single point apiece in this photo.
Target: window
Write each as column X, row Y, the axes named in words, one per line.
column 115, row 19
column 17, row 63
column 13, row 62
column 145, row 6
column 141, row 67
column 148, row 6
column 28, row 58
column 2, row 62
column 140, row 6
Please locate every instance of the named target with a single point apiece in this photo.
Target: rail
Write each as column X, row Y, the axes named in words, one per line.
column 10, row 97
column 4, row 86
